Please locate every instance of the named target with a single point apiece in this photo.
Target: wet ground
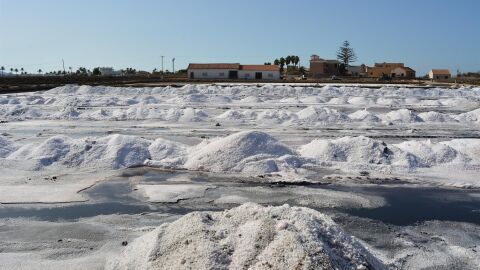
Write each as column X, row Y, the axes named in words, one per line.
column 406, row 225
column 404, row 204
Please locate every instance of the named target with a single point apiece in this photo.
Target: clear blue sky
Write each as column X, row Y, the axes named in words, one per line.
column 422, row 33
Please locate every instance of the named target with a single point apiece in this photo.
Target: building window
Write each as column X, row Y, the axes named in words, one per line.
column 221, row 74
column 204, row 74
column 247, row 75
column 270, row 75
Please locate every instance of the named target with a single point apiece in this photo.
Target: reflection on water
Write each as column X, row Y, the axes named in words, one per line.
column 405, row 205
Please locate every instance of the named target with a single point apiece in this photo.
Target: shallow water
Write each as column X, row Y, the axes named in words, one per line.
column 410, row 205
column 405, row 205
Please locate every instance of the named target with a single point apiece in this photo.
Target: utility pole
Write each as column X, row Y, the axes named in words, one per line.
column 173, row 63
column 162, row 62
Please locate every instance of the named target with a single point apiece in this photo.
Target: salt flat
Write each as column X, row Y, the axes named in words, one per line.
column 56, row 145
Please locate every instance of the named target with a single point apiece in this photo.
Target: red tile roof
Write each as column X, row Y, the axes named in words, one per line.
column 214, row 66
column 260, row 67
column 441, row 71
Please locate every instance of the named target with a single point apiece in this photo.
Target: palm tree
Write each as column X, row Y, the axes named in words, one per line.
column 2, row 69
column 22, row 70
column 296, row 60
column 288, row 60
column 11, row 70
column 39, row 71
column 276, row 62
column 70, row 68
column 282, row 63
column 16, row 71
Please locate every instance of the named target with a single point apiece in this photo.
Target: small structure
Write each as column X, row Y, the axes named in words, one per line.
column 320, row 68
column 108, row 71
column 439, row 74
column 357, row 71
column 233, row 71
column 391, row 70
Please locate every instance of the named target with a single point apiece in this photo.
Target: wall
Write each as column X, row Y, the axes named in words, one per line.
column 399, row 73
column 439, row 76
column 319, row 69
column 215, row 74
column 210, row 73
column 250, row 75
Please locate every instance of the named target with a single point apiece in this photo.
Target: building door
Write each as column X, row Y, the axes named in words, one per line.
column 258, row 75
column 192, row 76
column 233, row 74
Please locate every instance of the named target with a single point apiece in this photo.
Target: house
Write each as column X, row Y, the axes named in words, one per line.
column 323, row 68
column 392, row 70
column 233, row 71
column 439, row 74
column 109, row 71
column 357, row 71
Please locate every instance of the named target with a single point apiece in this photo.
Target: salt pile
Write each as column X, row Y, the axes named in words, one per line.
column 435, row 117
column 348, row 149
column 401, row 116
column 247, row 151
column 355, row 151
column 428, row 154
column 364, row 116
column 6, row 146
column 275, row 116
column 185, row 115
column 248, row 237
column 313, row 115
column 472, row 116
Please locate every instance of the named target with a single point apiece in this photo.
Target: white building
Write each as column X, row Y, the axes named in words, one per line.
column 439, row 74
column 233, row 71
column 108, row 71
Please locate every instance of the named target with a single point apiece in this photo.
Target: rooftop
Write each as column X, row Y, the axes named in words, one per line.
column 441, row 71
column 259, row 67
column 215, row 66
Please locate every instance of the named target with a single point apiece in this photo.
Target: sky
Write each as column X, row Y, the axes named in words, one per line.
column 423, row 34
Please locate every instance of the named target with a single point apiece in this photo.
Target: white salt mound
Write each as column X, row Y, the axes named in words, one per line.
column 435, row 117
column 401, row 116
column 7, row 146
column 348, row 149
column 364, row 116
column 472, row 116
column 251, row 151
column 313, row 114
column 428, row 154
column 248, row 237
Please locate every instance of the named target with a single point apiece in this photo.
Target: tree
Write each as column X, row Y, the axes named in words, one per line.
column 267, row 63
column 288, row 60
column 342, row 69
column 2, row 69
column 39, row 71
column 276, row 62
column 302, row 70
column 346, row 54
column 21, row 69
column 296, row 60
column 16, row 71
column 282, row 63
column 129, row 71
column 96, row 72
